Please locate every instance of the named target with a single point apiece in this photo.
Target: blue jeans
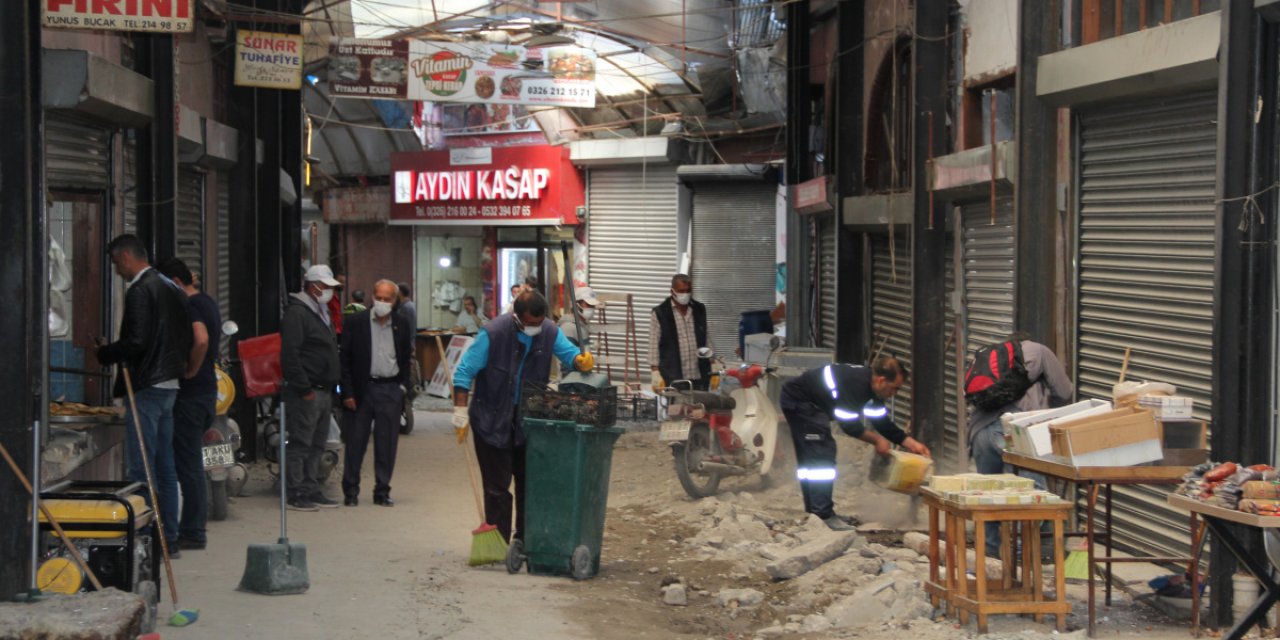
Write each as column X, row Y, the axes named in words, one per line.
column 987, row 449
column 192, row 416
column 155, row 415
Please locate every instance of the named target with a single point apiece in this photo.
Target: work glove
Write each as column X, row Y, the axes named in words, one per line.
column 461, row 420
column 656, row 382
column 584, row 362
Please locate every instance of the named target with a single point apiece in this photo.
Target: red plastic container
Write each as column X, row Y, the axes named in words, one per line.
column 260, row 362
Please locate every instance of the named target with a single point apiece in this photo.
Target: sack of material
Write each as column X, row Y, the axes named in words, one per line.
column 997, row 377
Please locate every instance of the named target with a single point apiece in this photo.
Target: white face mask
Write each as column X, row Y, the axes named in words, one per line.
column 325, row 296
column 681, row 298
column 381, row 309
column 588, row 314
column 530, row 331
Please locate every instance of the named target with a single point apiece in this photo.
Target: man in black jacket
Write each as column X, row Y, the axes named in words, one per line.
column 846, row 394
column 678, row 342
column 155, row 340
column 375, row 377
column 309, row 361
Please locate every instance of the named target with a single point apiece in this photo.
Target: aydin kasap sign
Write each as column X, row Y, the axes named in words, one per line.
column 533, row 185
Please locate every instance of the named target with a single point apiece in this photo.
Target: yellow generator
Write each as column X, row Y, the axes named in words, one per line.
column 109, row 524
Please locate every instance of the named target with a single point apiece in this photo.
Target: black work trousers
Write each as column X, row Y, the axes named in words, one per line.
column 815, row 454
column 498, row 467
column 377, row 412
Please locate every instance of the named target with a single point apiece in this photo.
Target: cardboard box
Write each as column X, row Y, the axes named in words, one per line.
column 1028, row 432
column 1184, row 434
column 1168, row 407
column 1118, row 438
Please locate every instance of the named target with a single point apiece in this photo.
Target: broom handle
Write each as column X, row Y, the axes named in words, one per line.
column 1124, row 368
column 66, row 542
column 151, row 485
column 472, row 471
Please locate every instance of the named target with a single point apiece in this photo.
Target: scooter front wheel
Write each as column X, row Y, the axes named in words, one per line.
column 689, row 456
column 218, row 500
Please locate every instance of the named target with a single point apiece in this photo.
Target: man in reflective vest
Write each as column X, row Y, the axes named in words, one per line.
column 847, row 394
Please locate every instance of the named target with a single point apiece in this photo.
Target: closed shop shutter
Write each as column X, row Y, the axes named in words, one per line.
column 949, row 459
column 77, row 152
column 1145, row 271
column 732, row 267
column 631, row 243
column 826, row 289
column 130, row 186
column 891, row 307
column 986, row 259
column 190, row 227
column 224, row 250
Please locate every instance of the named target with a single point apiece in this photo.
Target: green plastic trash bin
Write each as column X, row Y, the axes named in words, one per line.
column 567, row 475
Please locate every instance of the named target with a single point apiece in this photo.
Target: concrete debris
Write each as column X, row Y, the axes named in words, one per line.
column 675, row 595
column 775, row 630
column 815, row 622
column 804, row 558
column 109, row 614
column 919, row 542
column 743, row 598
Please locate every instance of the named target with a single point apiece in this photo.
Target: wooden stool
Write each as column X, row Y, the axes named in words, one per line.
column 948, row 577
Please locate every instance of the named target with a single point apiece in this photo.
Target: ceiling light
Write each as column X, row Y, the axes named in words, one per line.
column 446, row 262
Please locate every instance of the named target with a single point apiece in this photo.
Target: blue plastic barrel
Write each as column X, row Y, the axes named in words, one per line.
column 752, row 322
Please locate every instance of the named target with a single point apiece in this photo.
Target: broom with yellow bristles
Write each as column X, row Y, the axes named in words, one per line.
column 487, row 545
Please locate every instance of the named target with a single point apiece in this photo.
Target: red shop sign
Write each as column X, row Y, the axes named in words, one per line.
column 534, row 185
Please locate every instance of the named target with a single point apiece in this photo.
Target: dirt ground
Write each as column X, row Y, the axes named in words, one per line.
column 402, row 572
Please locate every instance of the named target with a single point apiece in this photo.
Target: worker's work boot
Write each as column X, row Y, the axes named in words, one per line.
column 836, row 523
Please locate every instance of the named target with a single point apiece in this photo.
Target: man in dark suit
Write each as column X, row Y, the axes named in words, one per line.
column 376, row 345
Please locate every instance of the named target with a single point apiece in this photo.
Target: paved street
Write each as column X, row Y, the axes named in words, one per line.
column 375, row 572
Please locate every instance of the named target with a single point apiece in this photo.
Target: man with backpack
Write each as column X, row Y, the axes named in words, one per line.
column 1016, row 375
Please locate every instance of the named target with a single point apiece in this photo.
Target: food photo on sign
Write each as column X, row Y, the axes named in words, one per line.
column 473, row 119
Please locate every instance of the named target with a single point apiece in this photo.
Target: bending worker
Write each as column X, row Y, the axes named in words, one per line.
column 512, row 350
column 847, row 394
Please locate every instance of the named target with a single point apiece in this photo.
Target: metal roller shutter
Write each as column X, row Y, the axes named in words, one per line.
column 190, row 224
column 224, row 251
column 988, row 273
column 130, row 186
column 77, row 152
column 891, row 307
column 1145, row 275
column 631, row 245
column 948, row 457
column 826, row 289
column 733, row 237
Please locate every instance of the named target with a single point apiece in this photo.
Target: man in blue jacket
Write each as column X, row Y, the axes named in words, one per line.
column 846, row 394
column 510, row 351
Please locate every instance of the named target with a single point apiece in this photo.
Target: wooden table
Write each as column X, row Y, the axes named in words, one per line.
column 1213, row 519
column 1006, row 595
column 1094, row 479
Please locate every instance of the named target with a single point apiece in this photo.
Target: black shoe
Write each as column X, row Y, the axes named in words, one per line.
column 321, row 501
column 351, row 501
column 302, row 504
column 174, row 552
column 189, row 543
column 384, row 501
column 836, row 523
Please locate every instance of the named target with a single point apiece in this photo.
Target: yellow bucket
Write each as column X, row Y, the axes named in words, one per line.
column 901, row 471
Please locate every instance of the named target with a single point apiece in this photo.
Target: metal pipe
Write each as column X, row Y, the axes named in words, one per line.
column 992, row 94
column 284, row 435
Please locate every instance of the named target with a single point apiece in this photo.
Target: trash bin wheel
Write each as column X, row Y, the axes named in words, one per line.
column 515, row 556
column 581, row 562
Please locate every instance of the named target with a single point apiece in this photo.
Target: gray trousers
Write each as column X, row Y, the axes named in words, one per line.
column 380, row 409
column 307, row 422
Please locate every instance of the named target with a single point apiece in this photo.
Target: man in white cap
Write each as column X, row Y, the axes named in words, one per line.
column 588, row 306
column 309, row 360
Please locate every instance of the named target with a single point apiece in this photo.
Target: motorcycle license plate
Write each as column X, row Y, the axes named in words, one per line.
column 218, row 455
column 675, row 431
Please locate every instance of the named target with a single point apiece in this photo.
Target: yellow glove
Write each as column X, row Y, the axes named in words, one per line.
column 461, row 420
column 584, row 362
column 656, row 382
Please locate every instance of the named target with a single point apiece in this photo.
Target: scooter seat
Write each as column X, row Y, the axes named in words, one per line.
column 711, row 401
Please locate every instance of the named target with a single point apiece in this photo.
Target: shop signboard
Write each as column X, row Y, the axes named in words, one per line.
column 268, row 60
column 500, row 77
column 368, row 68
column 528, row 185
column 163, row 16
column 356, row 205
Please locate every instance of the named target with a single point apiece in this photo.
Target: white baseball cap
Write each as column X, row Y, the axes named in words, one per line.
column 586, row 294
column 322, row 273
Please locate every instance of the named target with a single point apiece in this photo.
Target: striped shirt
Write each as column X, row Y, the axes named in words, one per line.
column 685, row 335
